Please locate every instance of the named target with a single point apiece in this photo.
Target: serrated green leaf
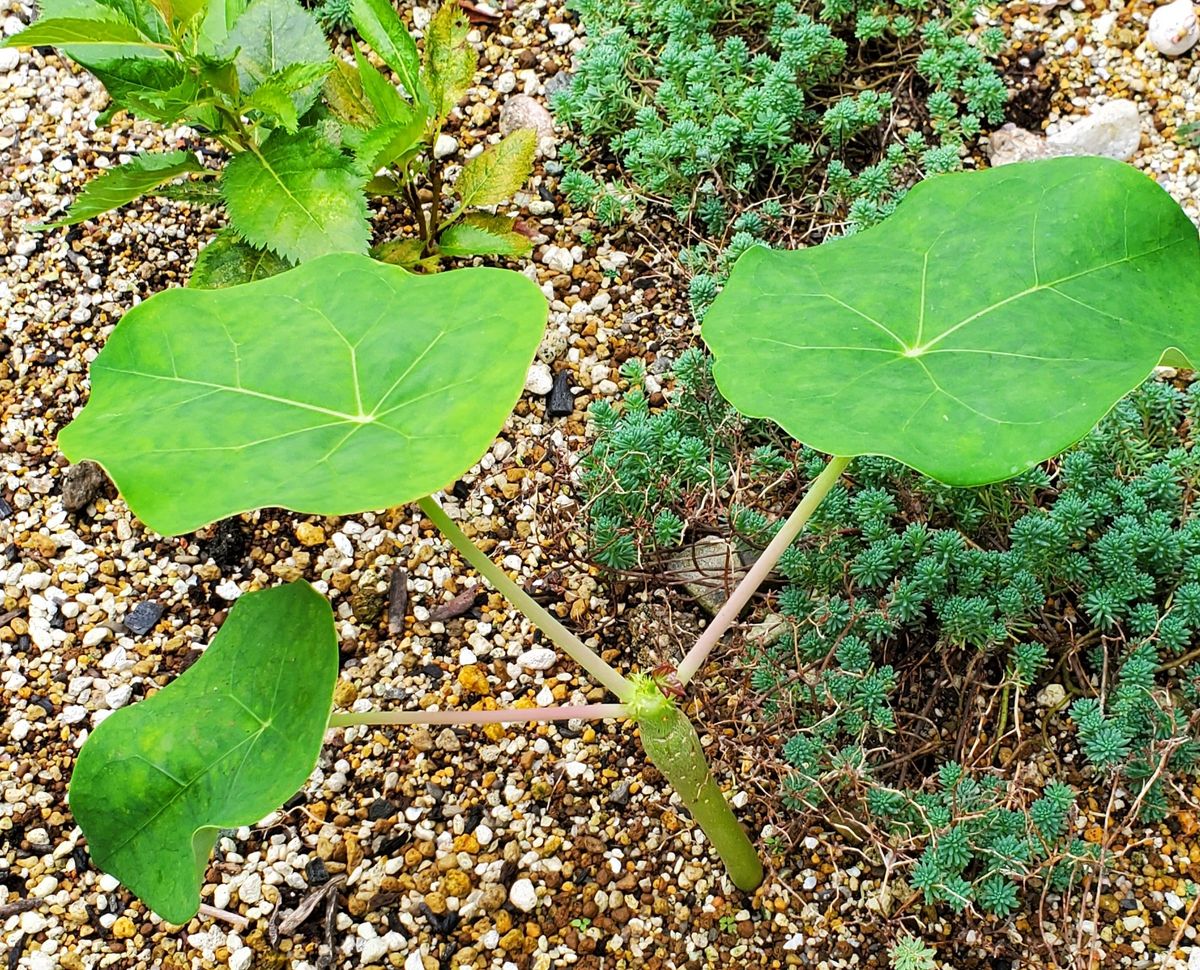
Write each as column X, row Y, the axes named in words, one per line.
column 120, row 185
column 378, row 24
column 221, row 16
column 205, row 191
column 80, row 34
column 480, row 234
column 498, row 171
column 154, row 88
column 144, row 16
column 92, row 55
column 388, row 105
column 408, row 253
column 298, row 196
column 179, row 12
column 270, row 36
column 225, row 743
column 339, row 386
column 229, row 260
column 449, row 65
column 273, row 98
column 273, row 104
column 345, row 96
column 985, row 326
column 385, row 144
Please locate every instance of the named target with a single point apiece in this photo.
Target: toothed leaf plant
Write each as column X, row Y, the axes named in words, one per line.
column 309, row 138
column 989, row 324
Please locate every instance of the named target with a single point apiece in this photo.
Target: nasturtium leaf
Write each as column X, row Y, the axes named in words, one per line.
column 225, row 743
column 273, row 35
column 298, row 196
column 499, row 170
column 378, row 24
column 480, row 234
column 339, row 386
column 117, row 186
column 229, row 260
column 985, row 326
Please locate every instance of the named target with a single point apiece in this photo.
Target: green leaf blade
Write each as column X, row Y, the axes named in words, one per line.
column 983, row 328
column 448, row 68
column 479, row 234
column 379, row 25
column 229, row 260
column 298, row 196
column 271, row 36
column 227, row 742
column 499, row 170
column 340, row 386
column 81, row 33
column 121, row 185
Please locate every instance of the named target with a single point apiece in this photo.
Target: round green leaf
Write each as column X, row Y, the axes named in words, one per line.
column 339, row 386
column 227, row 742
column 985, row 326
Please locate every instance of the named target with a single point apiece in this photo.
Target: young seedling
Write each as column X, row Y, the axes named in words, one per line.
column 983, row 328
column 309, row 135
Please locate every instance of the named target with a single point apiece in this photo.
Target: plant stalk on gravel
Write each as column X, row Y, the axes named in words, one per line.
column 384, row 385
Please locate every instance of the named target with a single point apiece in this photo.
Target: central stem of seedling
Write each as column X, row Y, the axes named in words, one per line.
column 668, row 737
column 673, row 747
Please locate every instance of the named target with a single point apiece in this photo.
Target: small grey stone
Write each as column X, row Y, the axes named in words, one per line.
column 560, row 82
column 553, row 346
column 522, row 111
column 142, row 618
column 708, row 568
column 82, row 484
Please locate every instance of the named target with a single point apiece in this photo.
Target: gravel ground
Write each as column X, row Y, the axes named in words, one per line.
column 493, row 848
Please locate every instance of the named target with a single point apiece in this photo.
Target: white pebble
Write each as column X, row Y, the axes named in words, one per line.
column 118, row 696
column 558, row 258
column 445, row 145
column 1173, row 28
column 373, row 950
column 97, row 634
column 45, row 886
column 539, row 658
column 241, row 959
column 523, row 895
column 228, row 590
column 539, row 380
column 250, row 891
